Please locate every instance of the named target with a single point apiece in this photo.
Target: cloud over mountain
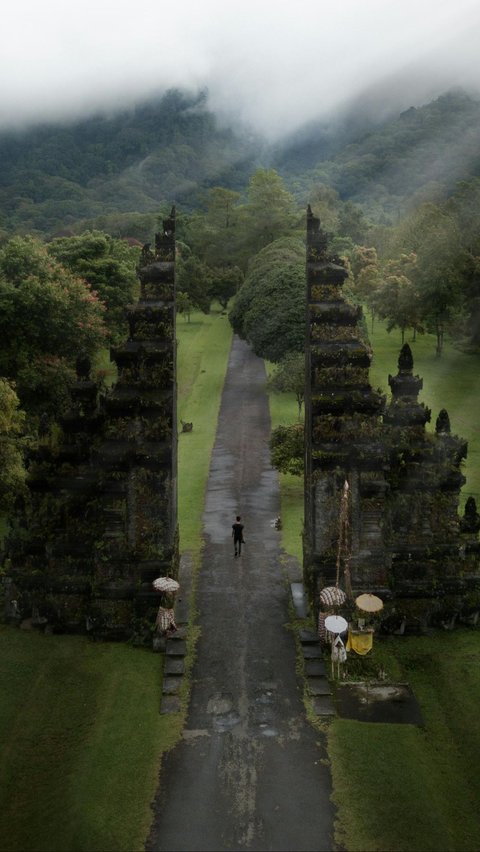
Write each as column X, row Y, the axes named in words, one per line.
column 273, row 65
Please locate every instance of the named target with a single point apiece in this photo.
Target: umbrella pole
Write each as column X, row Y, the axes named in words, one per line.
column 343, row 548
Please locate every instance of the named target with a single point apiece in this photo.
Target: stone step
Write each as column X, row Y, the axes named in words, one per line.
column 170, row 704
column 308, row 637
column 181, row 611
column 176, row 647
column 323, row 705
column 171, row 685
column 312, row 652
column 315, row 668
column 318, row 686
column 174, row 666
column 180, row 633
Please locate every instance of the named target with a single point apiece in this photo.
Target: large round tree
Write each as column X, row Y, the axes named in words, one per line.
column 269, row 310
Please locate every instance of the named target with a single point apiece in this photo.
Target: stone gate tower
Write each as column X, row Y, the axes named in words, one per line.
column 100, row 522
column 406, row 541
column 341, row 427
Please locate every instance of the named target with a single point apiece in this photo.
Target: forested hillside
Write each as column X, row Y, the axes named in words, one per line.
column 418, row 156
column 133, row 161
column 98, row 170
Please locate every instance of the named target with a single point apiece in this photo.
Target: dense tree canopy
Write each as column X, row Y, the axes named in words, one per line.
column 269, row 310
column 107, row 265
column 287, row 449
column 12, row 471
column 46, row 312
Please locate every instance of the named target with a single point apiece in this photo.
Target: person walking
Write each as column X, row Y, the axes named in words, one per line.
column 237, row 535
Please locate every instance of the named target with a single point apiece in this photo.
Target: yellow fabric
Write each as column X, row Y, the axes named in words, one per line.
column 361, row 643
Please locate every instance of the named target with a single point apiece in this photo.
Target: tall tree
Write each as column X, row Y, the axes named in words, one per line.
column 45, row 310
column 289, row 377
column 396, row 300
column 108, row 265
column 12, row 470
column 225, row 281
column 193, row 277
column 352, row 222
column 270, row 210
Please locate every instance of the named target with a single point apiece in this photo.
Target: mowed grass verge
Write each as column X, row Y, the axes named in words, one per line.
column 81, row 737
column 284, row 412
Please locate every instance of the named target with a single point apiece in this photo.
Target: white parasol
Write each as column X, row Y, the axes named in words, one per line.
column 369, row 603
column 166, row 584
column 336, row 624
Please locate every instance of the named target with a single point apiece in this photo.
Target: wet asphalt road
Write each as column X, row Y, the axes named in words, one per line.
column 248, row 774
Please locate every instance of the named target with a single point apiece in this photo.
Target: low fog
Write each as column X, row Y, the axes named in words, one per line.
column 271, row 65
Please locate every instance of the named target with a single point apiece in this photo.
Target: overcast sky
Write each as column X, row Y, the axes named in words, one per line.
column 273, row 64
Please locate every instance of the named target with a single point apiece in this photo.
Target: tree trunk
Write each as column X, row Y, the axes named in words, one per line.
column 439, row 333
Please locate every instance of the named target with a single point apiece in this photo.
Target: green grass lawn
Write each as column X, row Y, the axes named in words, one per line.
column 203, row 349
column 451, row 381
column 81, row 737
column 406, row 788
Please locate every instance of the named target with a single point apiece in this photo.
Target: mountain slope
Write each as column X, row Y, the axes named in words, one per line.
column 161, row 151
column 426, row 149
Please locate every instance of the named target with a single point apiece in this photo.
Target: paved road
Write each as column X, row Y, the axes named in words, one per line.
column 248, row 774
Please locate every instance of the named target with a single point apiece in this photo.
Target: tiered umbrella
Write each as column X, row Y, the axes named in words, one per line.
column 332, row 596
column 166, row 584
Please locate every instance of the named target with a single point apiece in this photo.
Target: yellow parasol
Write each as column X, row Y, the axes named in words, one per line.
column 369, row 603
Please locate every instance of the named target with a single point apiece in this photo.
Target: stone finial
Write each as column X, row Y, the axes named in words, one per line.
column 405, row 359
column 169, row 224
column 83, row 365
column 442, row 426
column 313, row 222
column 470, row 523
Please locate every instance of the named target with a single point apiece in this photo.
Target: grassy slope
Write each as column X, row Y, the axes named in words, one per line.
column 81, row 737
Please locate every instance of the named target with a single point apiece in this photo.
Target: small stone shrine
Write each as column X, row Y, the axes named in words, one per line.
column 101, row 521
column 406, row 541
